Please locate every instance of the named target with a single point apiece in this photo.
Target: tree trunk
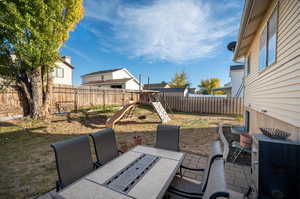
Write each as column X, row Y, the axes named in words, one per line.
column 47, row 94
column 37, row 94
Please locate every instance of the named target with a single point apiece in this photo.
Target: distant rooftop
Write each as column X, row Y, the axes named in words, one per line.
column 157, row 85
column 108, row 81
column 169, row 90
column 103, row 71
column 237, row 67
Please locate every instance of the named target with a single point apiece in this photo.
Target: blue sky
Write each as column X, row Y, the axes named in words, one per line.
column 156, row 38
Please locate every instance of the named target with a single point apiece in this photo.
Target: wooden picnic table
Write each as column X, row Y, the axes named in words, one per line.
column 142, row 172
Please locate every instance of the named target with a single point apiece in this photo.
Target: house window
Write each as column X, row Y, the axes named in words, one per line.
column 268, row 42
column 102, row 77
column 247, row 121
column 248, row 64
column 116, row 86
column 59, row 72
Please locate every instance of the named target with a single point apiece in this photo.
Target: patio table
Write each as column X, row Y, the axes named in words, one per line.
column 142, row 172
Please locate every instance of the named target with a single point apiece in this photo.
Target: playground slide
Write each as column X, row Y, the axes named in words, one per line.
column 118, row 116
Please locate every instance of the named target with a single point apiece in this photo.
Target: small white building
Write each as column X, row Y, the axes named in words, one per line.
column 62, row 73
column 114, row 78
column 234, row 88
column 237, row 77
column 182, row 92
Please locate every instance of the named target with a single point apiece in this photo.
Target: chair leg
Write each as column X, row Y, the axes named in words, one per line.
column 57, row 186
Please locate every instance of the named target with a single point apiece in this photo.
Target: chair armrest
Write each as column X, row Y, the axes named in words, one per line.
column 192, row 169
column 97, row 164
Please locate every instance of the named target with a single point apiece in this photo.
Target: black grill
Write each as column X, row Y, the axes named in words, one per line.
column 275, row 168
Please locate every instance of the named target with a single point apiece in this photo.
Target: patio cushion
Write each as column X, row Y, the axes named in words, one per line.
column 105, row 145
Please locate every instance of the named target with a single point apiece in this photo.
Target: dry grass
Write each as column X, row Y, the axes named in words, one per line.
column 27, row 162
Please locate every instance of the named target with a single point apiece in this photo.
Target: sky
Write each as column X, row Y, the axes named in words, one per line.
column 156, row 38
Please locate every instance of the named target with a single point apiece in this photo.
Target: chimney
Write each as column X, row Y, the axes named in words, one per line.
column 67, row 59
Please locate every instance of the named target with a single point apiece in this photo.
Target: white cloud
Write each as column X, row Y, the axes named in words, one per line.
column 171, row 30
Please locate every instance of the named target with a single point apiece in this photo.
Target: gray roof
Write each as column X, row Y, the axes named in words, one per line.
column 169, row 90
column 103, row 71
column 237, row 67
column 157, row 85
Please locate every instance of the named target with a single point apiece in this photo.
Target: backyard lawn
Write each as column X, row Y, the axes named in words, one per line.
column 27, row 162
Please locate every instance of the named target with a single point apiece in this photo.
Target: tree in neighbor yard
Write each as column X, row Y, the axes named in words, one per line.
column 206, row 86
column 179, row 81
column 31, row 34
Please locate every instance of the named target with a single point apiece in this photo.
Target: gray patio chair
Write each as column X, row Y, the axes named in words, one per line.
column 167, row 137
column 216, row 184
column 73, row 160
column 105, row 145
column 195, row 188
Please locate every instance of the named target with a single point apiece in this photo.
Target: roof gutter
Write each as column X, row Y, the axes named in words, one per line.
column 248, row 7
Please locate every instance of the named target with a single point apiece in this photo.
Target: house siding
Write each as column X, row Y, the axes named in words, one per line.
column 276, row 89
column 132, row 85
column 96, row 77
column 67, row 78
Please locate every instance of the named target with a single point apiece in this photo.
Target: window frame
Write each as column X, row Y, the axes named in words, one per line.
column 62, row 72
column 267, row 65
column 247, row 121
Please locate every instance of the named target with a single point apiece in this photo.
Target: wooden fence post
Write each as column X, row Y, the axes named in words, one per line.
column 104, row 100
column 123, row 98
column 75, row 99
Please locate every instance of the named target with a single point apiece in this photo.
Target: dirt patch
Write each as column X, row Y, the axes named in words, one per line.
column 27, row 162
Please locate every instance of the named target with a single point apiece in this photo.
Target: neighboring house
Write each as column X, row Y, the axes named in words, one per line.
column 191, row 91
column 183, row 92
column 269, row 41
column 62, row 73
column 114, row 78
column 234, row 88
column 158, row 85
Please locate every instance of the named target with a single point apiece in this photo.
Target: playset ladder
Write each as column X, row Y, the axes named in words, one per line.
column 161, row 111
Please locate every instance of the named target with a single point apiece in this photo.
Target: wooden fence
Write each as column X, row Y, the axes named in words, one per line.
column 75, row 96
column 205, row 105
column 84, row 96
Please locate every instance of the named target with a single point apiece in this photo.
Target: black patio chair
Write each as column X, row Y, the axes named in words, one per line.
column 73, row 160
column 105, row 146
column 167, row 137
column 181, row 184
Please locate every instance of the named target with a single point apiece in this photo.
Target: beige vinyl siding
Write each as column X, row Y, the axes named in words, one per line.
column 276, row 89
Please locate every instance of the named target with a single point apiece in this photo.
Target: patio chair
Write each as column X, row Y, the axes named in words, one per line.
column 73, row 160
column 167, row 137
column 105, row 146
column 181, row 184
column 216, row 184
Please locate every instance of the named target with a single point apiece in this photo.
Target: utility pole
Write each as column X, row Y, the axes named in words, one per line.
column 140, row 80
column 148, row 82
